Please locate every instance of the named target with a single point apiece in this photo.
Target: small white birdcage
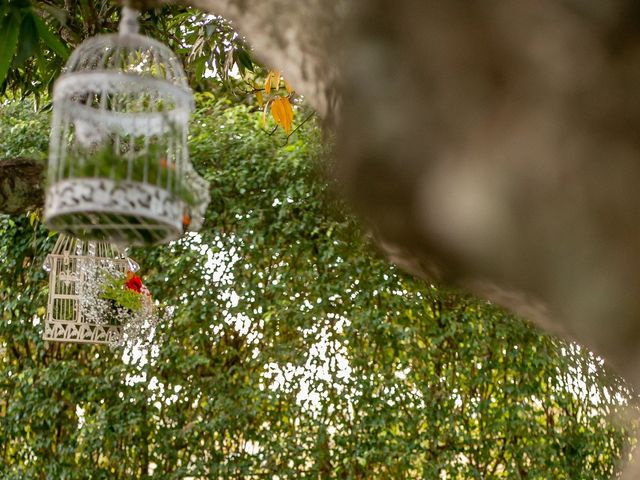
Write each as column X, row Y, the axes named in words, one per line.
column 72, row 267
column 119, row 166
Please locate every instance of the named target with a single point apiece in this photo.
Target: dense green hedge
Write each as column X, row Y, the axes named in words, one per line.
column 294, row 351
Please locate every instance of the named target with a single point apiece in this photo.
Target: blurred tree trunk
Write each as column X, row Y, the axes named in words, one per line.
column 491, row 145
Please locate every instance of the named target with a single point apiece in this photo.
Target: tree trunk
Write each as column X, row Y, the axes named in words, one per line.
column 496, row 145
column 491, row 145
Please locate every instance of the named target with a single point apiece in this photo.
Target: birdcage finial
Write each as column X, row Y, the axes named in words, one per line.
column 129, row 21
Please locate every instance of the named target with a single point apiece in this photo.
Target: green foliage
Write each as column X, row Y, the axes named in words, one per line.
column 34, row 53
column 293, row 352
column 9, row 29
column 22, row 132
column 37, row 37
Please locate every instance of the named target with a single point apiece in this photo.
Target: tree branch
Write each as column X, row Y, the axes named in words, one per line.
column 21, row 185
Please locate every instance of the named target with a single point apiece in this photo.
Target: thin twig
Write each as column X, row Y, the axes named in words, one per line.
column 299, row 125
column 266, row 132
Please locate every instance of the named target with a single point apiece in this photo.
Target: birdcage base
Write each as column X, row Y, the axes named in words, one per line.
column 81, row 332
column 123, row 212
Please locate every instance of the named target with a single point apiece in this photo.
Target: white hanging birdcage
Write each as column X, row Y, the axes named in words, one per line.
column 119, row 166
column 72, row 267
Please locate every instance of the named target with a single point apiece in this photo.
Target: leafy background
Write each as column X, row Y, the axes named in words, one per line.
column 294, row 351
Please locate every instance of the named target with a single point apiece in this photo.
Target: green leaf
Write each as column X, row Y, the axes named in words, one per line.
column 244, row 59
column 9, row 40
column 28, row 39
column 51, row 39
column 199, row 66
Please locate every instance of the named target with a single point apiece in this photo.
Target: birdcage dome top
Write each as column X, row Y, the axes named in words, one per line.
column 127, row 61
column 130, row 53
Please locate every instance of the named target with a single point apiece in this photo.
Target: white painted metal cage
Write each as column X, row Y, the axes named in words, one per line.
column 119, row 167
column 68, row 265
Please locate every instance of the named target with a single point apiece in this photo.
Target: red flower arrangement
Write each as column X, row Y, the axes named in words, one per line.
column 133, row 282
column 120, row 299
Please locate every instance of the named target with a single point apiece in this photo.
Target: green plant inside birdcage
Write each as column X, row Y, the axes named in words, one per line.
column 115, row 162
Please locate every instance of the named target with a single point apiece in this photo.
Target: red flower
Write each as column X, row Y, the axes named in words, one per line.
column 133, row 282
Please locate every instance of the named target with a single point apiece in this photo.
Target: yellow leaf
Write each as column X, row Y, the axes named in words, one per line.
column 259, row 98
column 267, row 84
column 282, row 113
column 287, row 86
column 272, row 81
column 277, row 110
column 275, row 79
column 288, row 115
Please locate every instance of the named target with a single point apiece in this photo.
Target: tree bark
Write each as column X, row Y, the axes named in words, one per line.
column 495, row 145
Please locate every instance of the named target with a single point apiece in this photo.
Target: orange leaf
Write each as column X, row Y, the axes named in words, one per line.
column 287, row 86
column 288, row 115
column 282, row 113
column 277, row 110
column 275, row 79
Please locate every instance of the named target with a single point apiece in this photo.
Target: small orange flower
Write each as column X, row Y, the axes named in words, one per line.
column 165, row 164
column 186, row 220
